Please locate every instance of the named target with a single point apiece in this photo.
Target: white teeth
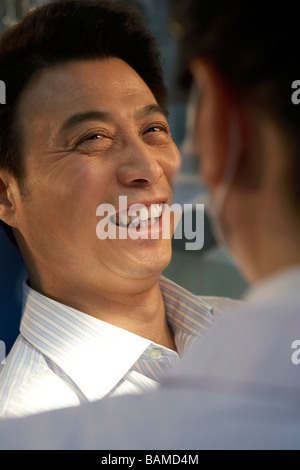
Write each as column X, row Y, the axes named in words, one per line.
column 124, row 219
column 155, row 210
column 147, row 216
column 144, row 214
column 135, row 222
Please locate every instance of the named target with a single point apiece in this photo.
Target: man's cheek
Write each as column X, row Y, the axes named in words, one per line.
column 172, row 166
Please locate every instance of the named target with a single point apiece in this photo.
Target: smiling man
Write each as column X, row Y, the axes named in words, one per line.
column 85, row 123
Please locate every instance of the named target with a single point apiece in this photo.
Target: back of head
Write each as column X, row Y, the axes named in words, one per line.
column 255, row 48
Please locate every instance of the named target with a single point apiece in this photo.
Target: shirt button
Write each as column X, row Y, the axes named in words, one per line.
column 155, row 354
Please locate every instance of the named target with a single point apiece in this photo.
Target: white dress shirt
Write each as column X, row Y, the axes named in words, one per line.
column 236, row 389
column 64, row 357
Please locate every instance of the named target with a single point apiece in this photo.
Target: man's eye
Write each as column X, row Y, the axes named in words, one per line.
column 94, row 142
column 94, row 137
column 156, row 135
column 89, row 139
column 156, row 129
column 153, row 129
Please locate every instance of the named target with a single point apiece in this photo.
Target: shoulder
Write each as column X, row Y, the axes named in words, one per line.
column 28, row 384
column 223, row 305
column 23, row 368
column 22, row 362
column 21, row 356
column 254, row 346
column 213, row 305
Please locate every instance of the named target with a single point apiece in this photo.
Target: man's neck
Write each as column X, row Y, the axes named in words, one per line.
column 142, row 313
column 270, row 249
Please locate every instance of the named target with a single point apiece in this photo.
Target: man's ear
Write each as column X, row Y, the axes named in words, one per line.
column 213, row 120
column 8, row 187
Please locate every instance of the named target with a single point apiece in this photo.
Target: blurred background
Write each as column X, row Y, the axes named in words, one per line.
column 209, row 271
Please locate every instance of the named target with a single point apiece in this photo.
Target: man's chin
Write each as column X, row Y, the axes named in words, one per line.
column 153, row 265
column 156, row 267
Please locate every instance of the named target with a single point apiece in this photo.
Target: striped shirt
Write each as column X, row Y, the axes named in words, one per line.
column 64, row 357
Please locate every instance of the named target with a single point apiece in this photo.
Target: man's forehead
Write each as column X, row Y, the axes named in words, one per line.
column 81, row 80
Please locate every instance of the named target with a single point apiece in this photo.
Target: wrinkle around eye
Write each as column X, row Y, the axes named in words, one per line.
column 94, row 142
column 157, row 135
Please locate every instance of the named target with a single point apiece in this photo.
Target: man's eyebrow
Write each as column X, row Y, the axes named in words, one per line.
column 76, row 119
column 151, row 109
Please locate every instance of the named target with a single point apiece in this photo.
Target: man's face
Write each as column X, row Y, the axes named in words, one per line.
column 92, row 131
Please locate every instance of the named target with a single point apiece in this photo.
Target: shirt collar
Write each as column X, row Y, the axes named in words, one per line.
column 96, row 354
column 188, row 315
column 282, row 284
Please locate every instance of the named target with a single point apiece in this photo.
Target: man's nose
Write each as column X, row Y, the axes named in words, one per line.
column 141, row 166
